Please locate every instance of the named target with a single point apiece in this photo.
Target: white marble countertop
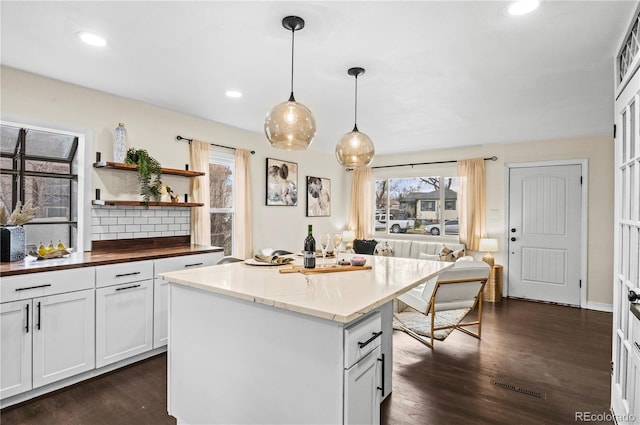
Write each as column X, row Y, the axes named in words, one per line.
column 341, row 297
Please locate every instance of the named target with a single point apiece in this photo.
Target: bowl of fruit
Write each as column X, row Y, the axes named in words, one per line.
column 51, row 251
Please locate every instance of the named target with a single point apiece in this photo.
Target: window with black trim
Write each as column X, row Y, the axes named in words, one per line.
column 41, row 166
column 221, row 168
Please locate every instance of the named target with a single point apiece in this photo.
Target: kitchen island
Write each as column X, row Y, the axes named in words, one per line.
column 248, row 344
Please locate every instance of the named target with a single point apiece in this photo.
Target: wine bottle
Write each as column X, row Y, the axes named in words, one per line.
column 309, row 250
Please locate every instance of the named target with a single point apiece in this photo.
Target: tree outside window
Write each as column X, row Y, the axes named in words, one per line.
column 221, row 208
column 416, row 205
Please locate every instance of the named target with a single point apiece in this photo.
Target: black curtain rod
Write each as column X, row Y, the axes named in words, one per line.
column 179, row 138
column 491, row 158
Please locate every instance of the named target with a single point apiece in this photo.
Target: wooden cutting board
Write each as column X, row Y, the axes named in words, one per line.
column 321, row 269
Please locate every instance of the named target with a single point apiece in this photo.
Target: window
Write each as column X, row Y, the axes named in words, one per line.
column 41, row 166
column 221, row 206
column 417, row 205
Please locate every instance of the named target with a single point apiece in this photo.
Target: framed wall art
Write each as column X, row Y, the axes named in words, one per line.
column 282, row 182
column 318, row 197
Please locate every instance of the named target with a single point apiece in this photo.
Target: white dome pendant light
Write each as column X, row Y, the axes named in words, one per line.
column 290, row 125
column 355, row 149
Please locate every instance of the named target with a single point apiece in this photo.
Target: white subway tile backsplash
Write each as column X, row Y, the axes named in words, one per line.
column 125, row 220
column 110, row 222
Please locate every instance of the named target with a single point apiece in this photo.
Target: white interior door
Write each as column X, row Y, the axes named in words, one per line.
column 545, row 217
column 626, row 250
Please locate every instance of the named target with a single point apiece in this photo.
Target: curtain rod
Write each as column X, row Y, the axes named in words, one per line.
column 491, row 158
column 179, row 138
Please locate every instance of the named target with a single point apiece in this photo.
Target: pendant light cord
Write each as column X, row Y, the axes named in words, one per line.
column 355, row 112
column 293, row 38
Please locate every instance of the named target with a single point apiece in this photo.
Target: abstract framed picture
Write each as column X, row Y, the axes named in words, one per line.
column 282, row 182
column 318, row 197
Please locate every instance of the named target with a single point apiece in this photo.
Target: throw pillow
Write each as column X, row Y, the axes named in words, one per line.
column 383, row 249
column 364, row 246
column 447, row 254
column 432, row 257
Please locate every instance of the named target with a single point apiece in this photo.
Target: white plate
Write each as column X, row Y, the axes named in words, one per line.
column 253, row 262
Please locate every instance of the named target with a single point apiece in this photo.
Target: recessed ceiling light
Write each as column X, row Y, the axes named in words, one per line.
column 92, row 39
column 234, row 94
column 523, row 7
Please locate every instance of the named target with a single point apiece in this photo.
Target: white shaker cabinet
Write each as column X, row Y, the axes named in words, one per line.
column 124, row 311
column 161, row 289
column 15, row 347
column 45, row 335
column 362, row 390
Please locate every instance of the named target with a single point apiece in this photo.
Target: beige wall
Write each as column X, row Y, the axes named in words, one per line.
column 38, row 100
column 598, row 150
column 46, row 101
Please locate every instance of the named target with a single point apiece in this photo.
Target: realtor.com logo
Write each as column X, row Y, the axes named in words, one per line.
column 603, row 417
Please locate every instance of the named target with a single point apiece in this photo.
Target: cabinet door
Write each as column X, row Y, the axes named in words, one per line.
column 160, row 312
column 63, row 336
column 15, row 347
column 361, row 395
column 124, row 318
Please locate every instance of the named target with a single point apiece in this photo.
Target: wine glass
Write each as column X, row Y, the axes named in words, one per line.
column 324, row 243
column 337, row 240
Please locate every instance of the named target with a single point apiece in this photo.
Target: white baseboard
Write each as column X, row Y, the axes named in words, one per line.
column 599, row 306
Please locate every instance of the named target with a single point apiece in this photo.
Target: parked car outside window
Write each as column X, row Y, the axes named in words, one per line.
column 450, row 228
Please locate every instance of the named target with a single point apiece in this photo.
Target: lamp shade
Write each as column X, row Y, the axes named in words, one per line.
column 488, row 245
column 348, row 236
column 290, row 125
column 355, row 150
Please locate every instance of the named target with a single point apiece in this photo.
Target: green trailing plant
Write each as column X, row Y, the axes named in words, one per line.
column 149, row 174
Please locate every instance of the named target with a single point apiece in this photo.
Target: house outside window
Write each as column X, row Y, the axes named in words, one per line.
column 221, row 169
column 40, row 166
column 416, row 205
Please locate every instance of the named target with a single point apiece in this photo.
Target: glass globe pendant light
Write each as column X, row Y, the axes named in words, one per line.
column 355, row 149
column 290, row 125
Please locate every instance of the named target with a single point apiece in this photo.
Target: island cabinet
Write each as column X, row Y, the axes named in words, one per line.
column 269, row 345
column 161, row 289
column 124, row 311
column 46, row 328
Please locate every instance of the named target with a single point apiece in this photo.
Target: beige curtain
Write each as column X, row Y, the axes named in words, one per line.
column 200, row 220
column 243, row 230
column 471, row 202
column 360, row 213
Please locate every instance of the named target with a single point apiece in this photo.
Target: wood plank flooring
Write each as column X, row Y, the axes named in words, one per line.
column 558, row 356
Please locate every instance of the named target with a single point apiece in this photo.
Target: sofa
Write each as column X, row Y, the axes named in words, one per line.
column 459, row 287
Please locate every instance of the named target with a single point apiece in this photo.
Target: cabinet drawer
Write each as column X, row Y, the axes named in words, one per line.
column 33, row 285
column 185, row 262
column 362, row 338
column 123, row 273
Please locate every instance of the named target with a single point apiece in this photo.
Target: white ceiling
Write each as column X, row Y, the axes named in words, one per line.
column 438, row 73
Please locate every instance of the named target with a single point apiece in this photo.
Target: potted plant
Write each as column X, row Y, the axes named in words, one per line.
column 149, row 174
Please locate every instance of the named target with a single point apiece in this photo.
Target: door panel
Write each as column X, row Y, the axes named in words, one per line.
column 63, row 336
column 15, row 348
column 625, row 393
column 545, row 218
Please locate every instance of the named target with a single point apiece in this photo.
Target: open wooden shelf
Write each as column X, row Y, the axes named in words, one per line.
column 132, row 167
column 151, row 204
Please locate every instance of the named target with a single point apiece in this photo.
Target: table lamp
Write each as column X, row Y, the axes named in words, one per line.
column 488, row 245
column 348, row 237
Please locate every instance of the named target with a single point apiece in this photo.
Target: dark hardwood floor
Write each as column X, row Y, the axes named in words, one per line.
column 550, row 362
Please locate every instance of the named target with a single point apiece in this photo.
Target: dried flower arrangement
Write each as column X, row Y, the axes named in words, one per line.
column 21, row 214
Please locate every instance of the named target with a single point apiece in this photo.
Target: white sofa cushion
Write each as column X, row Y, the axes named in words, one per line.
column 412, row 249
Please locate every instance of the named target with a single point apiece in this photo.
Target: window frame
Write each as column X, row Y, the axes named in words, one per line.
column 80, row 173
column 225, row 158
column 443, row 172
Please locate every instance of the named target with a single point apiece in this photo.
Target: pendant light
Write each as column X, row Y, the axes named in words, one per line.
column 290, row 125
column 355, row 149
